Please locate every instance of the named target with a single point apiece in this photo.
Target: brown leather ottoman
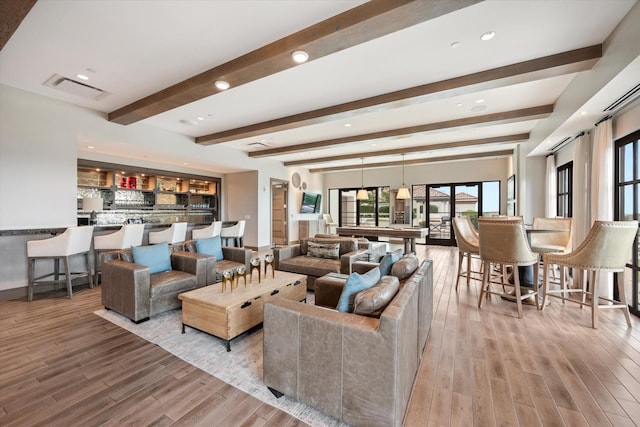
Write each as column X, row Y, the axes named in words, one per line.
column 329, row 288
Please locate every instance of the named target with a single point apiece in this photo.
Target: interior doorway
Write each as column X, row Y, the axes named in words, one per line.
column 279, row 212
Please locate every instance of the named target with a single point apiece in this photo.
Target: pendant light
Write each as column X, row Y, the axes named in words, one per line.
column 403, row 191
column 362, row 193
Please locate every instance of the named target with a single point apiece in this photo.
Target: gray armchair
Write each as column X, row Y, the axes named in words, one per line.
column 129, row 288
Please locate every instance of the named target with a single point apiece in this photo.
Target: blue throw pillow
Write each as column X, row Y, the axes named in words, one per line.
column 354, row 284
column 387, row 262
column 156, row 257
column 210, row 246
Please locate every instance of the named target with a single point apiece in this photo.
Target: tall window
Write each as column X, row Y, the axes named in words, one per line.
column 627, row 206
column 565, row 190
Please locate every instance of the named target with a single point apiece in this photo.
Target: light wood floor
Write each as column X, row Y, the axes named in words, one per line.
column 62, row 365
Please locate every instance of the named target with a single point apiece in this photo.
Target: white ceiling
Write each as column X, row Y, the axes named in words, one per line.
column 132, row 49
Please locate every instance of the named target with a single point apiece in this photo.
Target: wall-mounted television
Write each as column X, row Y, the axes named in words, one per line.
column 310, row 203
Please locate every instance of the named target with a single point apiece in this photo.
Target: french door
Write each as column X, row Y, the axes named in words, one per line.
column 627, row 207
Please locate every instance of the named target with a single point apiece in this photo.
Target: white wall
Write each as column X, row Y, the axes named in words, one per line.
column 37, row 163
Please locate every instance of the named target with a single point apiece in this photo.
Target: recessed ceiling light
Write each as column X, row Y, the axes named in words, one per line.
column 479, row 101
column 185, row 163
column 300, row 56
column 479, row 108
column 91, row 147
column 459, row 104
column 487, row 36
column 82, row 76
column 455, row 45
column 200, row 118
column 222, row 85
column 583, row 113
column 347, row 125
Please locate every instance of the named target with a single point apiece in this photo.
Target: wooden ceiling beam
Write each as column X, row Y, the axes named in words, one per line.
column 540, row 68
column 500, row 153
column 503, row 139
column 369, row 21
column 12, row 12
column 504, row 117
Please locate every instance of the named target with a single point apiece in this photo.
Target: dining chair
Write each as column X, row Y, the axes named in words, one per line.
column 468, row 247
column 235, row 232
column 128, row 235
column 503, row 241
column 551, row 242
column 210, row 231
column 74, row 241
column 606, row 249
column 177, row 233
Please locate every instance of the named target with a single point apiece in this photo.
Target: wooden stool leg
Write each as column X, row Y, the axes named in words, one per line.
column 594, row 300
column 31, row 270
column 623, row 297
column 459, row 268
column 68, row 273
column 88, row 265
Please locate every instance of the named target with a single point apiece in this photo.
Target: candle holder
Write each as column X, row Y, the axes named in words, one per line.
column 255, row 265
column 268, row 261
column 241, row 272
column 227, row 277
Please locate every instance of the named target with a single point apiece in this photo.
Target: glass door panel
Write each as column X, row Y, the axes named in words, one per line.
column 348, row 208
column 466, row 201
column 440, row 205
column 384, row 205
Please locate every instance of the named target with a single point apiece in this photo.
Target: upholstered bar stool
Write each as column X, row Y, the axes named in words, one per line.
column 235, row 232
column 468, row 247
column 177, row 233
column 503, row 241
column 606, row 248
column 128, row 235
column 74, row 241
column 210, row 231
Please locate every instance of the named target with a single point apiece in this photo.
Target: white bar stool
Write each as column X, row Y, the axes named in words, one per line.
column 210, row 231
column 74, row 241
column 128, row 235
column 235, row 232
column 177, row 233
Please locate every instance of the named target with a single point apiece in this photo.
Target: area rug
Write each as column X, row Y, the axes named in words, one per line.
column 242, row 367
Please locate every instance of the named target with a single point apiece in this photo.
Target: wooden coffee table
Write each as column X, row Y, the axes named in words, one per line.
column 229, row 314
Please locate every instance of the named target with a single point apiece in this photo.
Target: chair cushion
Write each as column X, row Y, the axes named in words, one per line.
column 354, row 284
column 323, row 250
column 373, row 301
column 405, row 266
column 387, row 262
column 156, row 257
column 210, row 246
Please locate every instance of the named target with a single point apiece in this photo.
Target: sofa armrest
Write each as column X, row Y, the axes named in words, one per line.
column 347, row 260
column 362, row 267
column 126, row 288
column 280, row 254
column 238, row 255
column 192, row 263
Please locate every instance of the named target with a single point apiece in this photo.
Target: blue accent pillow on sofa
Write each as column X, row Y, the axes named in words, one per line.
column 387, row 262
column 156, row 257
column 354, row 284
column 210, row 246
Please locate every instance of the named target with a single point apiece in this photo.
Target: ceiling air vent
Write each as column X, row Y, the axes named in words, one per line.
column 73, row 87
column 624, row 99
